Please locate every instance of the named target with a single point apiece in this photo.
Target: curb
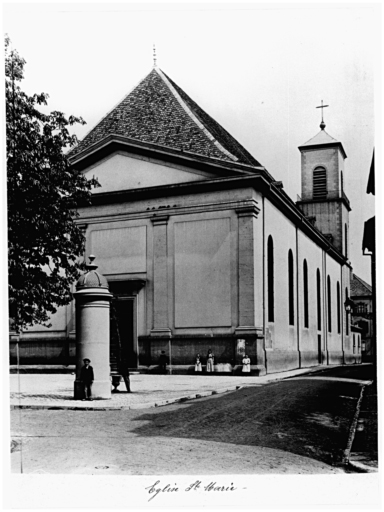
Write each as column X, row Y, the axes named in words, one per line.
column 362, row 468
column 161, row 403
column 359, row 467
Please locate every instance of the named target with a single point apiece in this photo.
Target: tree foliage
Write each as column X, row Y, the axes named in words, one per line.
column 44, row 191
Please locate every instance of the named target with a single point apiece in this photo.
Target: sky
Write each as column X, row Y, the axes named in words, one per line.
column 259, row 69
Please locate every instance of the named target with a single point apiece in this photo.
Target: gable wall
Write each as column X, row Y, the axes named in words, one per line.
column 121, row 171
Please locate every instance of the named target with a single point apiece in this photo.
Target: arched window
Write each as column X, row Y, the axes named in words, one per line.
column 346, row 240
column 291, row 289
column 319, row 184
column 329, row 304
column 338, row 307
column 305, row 279
column 318, row 293
column 346, row 315
column 270, row 269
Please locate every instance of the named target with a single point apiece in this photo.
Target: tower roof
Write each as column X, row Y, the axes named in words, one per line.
column 158, row 111
column 322, row 139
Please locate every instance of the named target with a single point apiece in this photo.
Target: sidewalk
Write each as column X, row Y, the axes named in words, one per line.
column 55, row 391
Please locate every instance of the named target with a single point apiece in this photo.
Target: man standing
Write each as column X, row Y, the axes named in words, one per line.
column 87, row 378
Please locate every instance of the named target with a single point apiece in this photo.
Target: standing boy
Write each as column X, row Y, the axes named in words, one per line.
column 87, row 378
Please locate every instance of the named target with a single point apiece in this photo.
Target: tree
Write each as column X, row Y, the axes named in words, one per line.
column 44, row 192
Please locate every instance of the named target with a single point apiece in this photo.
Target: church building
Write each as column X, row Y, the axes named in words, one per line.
column 203, row 249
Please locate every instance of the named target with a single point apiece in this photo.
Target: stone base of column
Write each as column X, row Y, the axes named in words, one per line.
column 101, row 390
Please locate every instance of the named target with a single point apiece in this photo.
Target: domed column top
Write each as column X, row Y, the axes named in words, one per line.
column 91, row 278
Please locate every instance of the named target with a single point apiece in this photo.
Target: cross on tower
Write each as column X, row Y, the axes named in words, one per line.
column 322, row 124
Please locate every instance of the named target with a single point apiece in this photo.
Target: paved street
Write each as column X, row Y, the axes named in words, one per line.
column 300, row 425
column 56, row 390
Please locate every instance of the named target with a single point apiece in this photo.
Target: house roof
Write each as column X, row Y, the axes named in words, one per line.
column 371, row 178
column 359, row 287
column 157, row 111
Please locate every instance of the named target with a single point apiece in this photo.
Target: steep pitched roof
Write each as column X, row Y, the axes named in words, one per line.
column 158, row 111
column 359, row 287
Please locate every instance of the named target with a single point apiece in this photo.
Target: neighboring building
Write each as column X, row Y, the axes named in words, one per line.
column 202, row 248
column 369, row 249
column 362, row 314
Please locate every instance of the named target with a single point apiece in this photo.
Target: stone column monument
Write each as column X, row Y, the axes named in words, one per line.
column 92, row 330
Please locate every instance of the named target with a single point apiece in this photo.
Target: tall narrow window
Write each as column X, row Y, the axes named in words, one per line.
column 291, row 289
column 338, row 307
column 319, row 183
column 346, row 240
column 305, row 279
column 342, row 182
column 329, row 304
column 318, row 293
column 346, row 315
column 270, row 264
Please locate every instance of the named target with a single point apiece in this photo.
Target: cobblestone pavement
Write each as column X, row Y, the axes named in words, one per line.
column 56, row 390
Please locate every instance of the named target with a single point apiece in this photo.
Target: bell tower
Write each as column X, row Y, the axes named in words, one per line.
column 323, row 198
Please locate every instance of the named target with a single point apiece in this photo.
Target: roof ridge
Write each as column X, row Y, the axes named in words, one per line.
column 157, row 109
column 217, row 130
column 193, row 116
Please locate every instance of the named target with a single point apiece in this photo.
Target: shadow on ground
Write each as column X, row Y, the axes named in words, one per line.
column 310, row 418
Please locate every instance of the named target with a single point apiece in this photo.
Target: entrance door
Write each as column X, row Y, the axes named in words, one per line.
column 123, row 327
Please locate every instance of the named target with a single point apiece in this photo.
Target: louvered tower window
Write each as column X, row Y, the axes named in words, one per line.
column 319, row 183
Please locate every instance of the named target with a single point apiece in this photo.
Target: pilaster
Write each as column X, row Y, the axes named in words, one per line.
column 160, row 276
column 247, row 215
column 247, row 330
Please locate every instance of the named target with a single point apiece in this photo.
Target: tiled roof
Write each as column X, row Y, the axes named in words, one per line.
column 359, row 287
column 157, row 111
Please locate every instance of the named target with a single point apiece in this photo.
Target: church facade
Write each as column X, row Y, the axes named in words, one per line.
column 203, row 249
